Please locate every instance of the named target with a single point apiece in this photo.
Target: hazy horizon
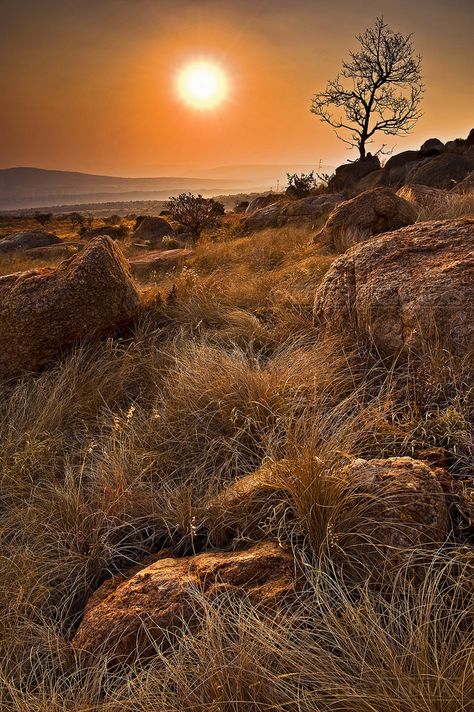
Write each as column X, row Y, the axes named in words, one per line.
column 92, row 87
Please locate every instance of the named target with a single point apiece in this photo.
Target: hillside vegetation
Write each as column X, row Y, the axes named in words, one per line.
column 124, row 450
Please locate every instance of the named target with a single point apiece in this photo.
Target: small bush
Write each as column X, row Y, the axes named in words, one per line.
column 194, row 212
column 299, row 186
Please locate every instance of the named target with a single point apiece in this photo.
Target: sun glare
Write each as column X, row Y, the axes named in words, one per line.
column 202, row 85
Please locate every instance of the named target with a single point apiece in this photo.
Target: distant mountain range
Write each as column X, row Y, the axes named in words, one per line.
column 36, row 187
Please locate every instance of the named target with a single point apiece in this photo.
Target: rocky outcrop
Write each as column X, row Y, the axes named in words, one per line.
column 442, row 171
column 262, row 201
column 27, row 241
column 466, row 185
column 422, row 196
column 364, row 216
column 295, row 212
column 159, row 600
column 431, row 147
column 405, row 289
column 152, row 230
column 398, row 167
column 398, row 505
column 43, row 312
column 347, row 176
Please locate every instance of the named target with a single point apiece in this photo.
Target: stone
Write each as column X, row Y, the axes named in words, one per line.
column 466, row 185
column 348, row 175
column 27, row 241
column 53, row 253
column 395, row 505
column 405, row 290
column 431, row 147
column 262, row 201
column 442, row 171
column 153, row 230
column 243, row 507
column 375, row 179
column 364, row 216
column 295, row 212
column 44, row 312
column 422, row 196
column 161, row 599
column 398, row 167
column 144, row 265
column 116, row 232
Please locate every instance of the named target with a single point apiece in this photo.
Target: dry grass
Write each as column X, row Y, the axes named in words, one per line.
column 117, row 450
column 453, row 207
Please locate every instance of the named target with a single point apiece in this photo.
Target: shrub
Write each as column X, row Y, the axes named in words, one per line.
column 299, row 186
column 194, row 212
column 43, row 218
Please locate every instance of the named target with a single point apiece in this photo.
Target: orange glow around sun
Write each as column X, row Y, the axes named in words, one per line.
column 202, row 85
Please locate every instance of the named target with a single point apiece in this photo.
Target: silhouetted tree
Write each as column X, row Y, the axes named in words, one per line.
column 194, row 212
column 378, row 90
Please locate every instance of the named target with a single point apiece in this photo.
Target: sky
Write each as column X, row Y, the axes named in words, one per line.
column 90, row 85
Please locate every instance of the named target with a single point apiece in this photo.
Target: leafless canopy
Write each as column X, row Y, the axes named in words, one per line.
column 378, row 90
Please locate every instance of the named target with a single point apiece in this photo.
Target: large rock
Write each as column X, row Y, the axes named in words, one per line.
column 153, row 230
column 43, row 312
column 398, row 506
column 145, row 265
column 262, row 201
column 348, row 175
column 442, row 171
column 431, row 147
column 160, row 599
column 364, row 216
column 375, row 179
column 116, row 232
column 242, row 508
column 405, row 289
column 28, row 241
column 466, row 185
column 399, row 166
column 422, row 196
column 296, row 212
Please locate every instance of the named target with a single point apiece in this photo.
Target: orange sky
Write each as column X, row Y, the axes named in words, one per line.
column 90, row 85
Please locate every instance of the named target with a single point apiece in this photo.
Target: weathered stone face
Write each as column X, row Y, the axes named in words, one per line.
column 402, row 507
column 406, row 289
column 161, row 598
column 442, row 171
column 368, row 214
column 43, row 312
column 348, row 175
column 422, row 196
column 295, row 212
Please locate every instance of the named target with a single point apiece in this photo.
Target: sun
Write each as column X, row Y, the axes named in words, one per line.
column 202, row 85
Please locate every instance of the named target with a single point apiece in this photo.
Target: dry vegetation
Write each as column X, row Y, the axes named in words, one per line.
column 116, row 451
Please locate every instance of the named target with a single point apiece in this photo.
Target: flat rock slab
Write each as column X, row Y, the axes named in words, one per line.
column 144, row 264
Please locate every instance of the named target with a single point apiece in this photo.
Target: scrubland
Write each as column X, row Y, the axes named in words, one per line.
column 116, row 451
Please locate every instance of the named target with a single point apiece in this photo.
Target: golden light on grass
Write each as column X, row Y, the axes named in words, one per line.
column 202, row 85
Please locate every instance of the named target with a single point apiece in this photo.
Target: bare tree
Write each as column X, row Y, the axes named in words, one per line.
column 194, row 212
column 378, row 90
